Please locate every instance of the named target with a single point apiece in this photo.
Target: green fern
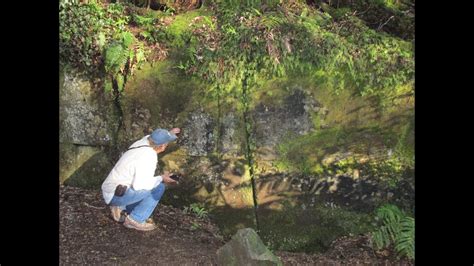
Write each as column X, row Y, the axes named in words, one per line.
column 197, row 209
column 397, row 229
column 271, row 21
column 116, row 56
column 121, row 53
column 406, row 241
column 142, row 21
column 127, row 39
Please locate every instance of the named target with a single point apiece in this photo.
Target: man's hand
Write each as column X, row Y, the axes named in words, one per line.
column 175, row 130
column 167, row 179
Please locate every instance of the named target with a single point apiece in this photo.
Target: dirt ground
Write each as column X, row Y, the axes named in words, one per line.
column 88, row 235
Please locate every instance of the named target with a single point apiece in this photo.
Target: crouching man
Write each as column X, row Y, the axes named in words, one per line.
column 132, row 187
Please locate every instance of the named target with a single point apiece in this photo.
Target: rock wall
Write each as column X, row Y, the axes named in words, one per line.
column 309, row 149
column 87, row 126
column 86, row 115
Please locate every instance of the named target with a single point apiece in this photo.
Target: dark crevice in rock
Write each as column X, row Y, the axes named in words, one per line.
column 219, row 130
column 119, row 109
column 87, row 145
column 248, row 151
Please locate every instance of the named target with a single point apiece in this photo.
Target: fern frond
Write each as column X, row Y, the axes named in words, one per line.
column 271, row 21
column 405, row 243
column 116, row 56
column 127, row 38
column 397, row 228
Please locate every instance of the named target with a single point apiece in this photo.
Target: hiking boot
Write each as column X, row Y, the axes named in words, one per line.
column 117, row 214
column 130, row 223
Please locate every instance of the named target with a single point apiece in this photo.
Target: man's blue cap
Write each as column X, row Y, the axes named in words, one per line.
column 162, row 136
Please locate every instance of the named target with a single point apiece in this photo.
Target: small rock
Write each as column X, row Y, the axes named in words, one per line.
column 246, row 248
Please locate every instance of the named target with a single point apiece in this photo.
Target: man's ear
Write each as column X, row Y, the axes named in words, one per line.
column 161, row 147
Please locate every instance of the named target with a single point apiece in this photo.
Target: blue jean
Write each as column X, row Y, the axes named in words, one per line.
column 139, row 203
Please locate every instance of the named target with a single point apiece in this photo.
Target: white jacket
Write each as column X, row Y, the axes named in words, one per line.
column 136, row 169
